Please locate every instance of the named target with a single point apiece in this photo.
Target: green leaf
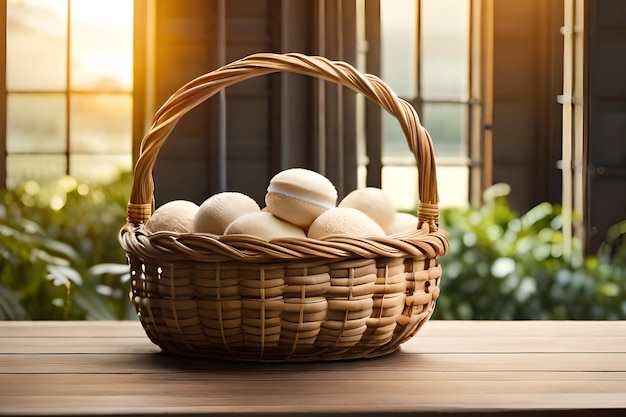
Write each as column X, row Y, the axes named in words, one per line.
column 10, row 307
column 109, row 268
column 63, row 275
column 94, row 305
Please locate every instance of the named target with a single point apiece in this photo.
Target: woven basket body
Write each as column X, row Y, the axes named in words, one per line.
column 239, row 297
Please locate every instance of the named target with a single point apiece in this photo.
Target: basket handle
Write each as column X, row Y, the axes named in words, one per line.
column 200, row 89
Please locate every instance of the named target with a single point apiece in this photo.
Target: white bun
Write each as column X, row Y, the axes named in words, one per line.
column 298, row 196
column 220, row 210
column 174, row 216
column 345, row 221
column 264, row 225
column 404, row 223
column 374, row 202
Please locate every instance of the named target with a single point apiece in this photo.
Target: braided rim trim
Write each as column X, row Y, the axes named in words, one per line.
column 138, row 241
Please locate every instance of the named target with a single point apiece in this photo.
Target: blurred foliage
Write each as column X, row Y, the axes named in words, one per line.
column 505, row 266
column 61, row 259
column 60, row 253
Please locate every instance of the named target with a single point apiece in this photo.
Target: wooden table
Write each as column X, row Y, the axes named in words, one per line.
column 467, row 368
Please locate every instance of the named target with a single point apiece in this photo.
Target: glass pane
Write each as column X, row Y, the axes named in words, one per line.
column 445, row 56
column 395, row 147
column 446, row 124
column 400, row 182
column 453, row 185
column 103, row 168
column 36, row 123
column 36, row 45
column 39, row 168
column 101, row 123
column 398, row 46
column 101, row 45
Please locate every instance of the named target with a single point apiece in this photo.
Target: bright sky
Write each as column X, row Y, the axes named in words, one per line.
column 107, row 11
column 101, row 44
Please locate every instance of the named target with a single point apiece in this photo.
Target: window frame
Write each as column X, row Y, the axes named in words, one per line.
column 68, row 93
column 477, row 125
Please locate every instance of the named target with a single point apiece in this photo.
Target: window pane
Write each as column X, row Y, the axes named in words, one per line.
column 445, row 56
column 35, row 123
column 36, row 45
column 446, row 124
column 400, row 182
column 101, row 123
column 395, row 147
column 39, row 168
column 101, row 45
column 398, row 49
column 453, row 185
column 98, row 167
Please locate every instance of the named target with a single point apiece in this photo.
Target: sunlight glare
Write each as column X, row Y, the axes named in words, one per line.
column 109, row 12
column 102, row 50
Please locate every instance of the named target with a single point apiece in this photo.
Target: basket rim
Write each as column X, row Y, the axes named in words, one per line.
column 168, row 246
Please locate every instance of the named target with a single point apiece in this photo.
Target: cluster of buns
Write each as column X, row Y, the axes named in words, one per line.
column 299, row 203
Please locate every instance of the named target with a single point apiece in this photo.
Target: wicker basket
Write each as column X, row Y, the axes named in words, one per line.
column 239, row 297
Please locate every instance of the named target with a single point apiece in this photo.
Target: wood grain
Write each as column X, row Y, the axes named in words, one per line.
column 465, row 368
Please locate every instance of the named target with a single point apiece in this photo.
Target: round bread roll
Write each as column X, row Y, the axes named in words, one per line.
column 220, row 210
column 374, row 202
column 174, row 216
column 345, row 221
column 404, row 223
column 298, row 196
column 265, row 225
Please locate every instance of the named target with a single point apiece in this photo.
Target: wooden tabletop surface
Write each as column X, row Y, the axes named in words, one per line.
column 470, row 368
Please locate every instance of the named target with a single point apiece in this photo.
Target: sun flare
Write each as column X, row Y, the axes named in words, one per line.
column 100, row 43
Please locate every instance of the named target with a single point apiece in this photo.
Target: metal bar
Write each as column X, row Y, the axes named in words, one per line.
column 417, row 100
column 361, row 65
column 74, row 92
column 487, row 62
column 149, row 68
column 579, row 152
column 373, row 113
column 321, row 90
column 3, row 97
column 221, row 99
column 339, row 91
column 475, row 129
column 567, row 190
column 68, row 62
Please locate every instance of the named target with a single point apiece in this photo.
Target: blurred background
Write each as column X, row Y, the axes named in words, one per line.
column 525, row 102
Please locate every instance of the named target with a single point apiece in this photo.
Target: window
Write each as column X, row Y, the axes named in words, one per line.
column 429, row 58
column 68, row 89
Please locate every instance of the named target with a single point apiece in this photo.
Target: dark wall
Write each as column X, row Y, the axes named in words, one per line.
column 528, row 54
column 606, row 112
column 262, row 125
column 527, row 68
column 251, row 151
column 186, row 33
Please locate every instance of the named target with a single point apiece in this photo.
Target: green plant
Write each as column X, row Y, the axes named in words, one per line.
column 61, row 259
column 61, row 255
column 35, row 268
column 505, row 266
